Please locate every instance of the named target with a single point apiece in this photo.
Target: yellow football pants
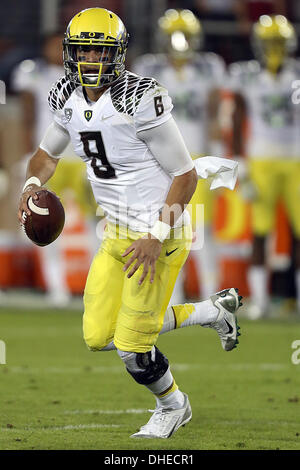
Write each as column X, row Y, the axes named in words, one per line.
column 274, row 179
column 118, row 308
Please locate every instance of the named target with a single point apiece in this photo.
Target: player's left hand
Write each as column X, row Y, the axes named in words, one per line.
column 146, row 250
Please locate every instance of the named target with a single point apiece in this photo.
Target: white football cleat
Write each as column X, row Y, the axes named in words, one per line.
column 165, row 421
column 227, row 302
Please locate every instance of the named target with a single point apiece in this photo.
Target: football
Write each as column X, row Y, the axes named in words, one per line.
column 47, row 218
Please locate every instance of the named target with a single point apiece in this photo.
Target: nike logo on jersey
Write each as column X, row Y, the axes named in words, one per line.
column 230, row 329
column 106, row 116
column 168, row 253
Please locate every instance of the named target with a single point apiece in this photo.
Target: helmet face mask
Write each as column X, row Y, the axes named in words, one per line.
column 182, row 46
column 105, row 35
column 104, row 71
column 274, row 53
column 273, row 40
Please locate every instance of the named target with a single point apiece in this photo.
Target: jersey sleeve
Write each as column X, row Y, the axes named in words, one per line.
column 168, row 148
column 59, row 118
column 55, row 140
column 241, row 74
column 154, row 109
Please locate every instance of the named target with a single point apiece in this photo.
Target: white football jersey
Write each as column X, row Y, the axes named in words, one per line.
column 36, row 76
column 128, row 182
column 189, row 89
column 274, row 117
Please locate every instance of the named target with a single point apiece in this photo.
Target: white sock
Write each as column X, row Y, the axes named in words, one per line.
column 258, row 285
column 169, row 321
column 205, row 312
column 173, row 400
column 297, row 281
column 206, row 261
column 53, row 267
column 109, row 347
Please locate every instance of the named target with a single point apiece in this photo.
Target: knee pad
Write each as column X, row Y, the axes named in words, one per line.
column 145, row 368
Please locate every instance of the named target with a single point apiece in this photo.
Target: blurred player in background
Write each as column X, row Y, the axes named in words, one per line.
column 31, row 79
column 193, row 79
column 142, row 176
column 272, row 167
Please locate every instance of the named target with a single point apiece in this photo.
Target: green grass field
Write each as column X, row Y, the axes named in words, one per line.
column 55, row 394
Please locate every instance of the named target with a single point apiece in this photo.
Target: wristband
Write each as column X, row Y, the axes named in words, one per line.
column 31, row 180
column 160, row 230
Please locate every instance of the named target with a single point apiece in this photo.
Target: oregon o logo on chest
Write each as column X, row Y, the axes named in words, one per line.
column 88, row 114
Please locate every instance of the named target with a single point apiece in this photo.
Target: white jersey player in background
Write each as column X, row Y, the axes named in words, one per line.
column 272, row 165
column 30, row 79
column 142, row 176
column 193, row 79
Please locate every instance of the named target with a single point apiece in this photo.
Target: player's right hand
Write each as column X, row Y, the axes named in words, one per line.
column 146, row 251
column 30, row 191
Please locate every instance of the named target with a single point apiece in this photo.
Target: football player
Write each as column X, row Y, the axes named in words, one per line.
column 272, row 168
column 120, row 124
column 193, row 79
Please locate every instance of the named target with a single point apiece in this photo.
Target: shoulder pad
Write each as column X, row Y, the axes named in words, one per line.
column 127, row 93
column 245, row 69
column 28, row 66
column 60, row 93
column 209, row 63
column 210, row 58
column 150, row 65
column 152, row 60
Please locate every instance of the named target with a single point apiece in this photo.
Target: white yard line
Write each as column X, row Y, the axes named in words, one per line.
column 24, row 298
column 81, row 426
column 62, row 428
column 120, row 369
column 104, row 412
